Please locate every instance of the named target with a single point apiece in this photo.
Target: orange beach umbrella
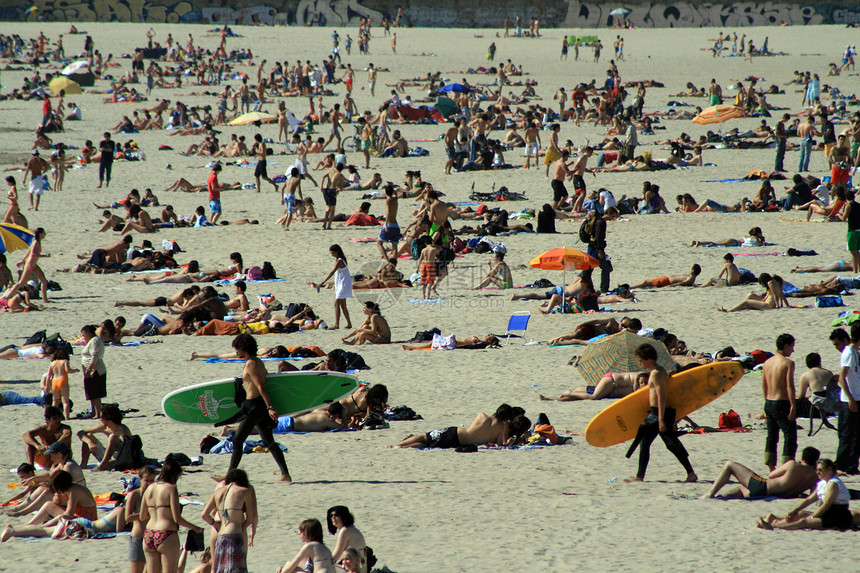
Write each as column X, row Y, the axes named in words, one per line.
column 718, row 114
column 564, row 259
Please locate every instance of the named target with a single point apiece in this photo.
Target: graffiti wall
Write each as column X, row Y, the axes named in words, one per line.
column 695, row 14
column 448, row 13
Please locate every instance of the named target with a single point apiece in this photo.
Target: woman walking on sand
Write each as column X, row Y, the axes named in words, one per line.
column 342, row 285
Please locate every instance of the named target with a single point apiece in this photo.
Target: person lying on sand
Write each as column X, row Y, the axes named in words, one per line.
column 789, row 480
column 837, row 266
column 756, row 239
column 611, row 385
column 572, row 289
column 179, row 298
column 672, row 280
column 502, row 428
column 324, row 419
column 589, row 329
column 489, row 341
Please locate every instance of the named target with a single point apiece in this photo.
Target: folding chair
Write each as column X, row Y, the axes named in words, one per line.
column 519, row 321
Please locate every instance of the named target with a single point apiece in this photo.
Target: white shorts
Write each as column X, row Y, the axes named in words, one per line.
column 37, row 185
column 302, row 166
column 531, row 149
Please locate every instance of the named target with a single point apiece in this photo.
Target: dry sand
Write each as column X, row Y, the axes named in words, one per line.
column 547, row 509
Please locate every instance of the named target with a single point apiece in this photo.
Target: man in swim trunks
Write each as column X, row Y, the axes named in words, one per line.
column 673, row 280
column 560, row 171
column 390, row 232
column 580, row 168
column 40, row 438
column 261, row 151
column 501, row 428
column 660, row 420
column 36, row 167
column 791, row 479
column 332, row 183
column 531, row 136
column 715, row 92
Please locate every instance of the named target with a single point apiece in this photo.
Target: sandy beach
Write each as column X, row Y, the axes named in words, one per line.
column 553, row 508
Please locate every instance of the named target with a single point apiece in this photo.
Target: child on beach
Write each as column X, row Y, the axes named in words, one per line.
column 342, row 285
column 58, row 378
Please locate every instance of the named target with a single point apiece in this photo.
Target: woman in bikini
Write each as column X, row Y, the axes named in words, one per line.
column 340, row 522
column 161, row 511
column 31, row 267
column 756, row 239
column 774, row 297
column 13, row 212
column 313, row 555
column 132, row 508
column 235, row 504
column 80, row 502
column 611, row 385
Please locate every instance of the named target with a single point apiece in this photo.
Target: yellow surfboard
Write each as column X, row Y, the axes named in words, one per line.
column 688, row 391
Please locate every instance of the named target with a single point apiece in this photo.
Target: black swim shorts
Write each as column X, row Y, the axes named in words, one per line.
column 443, row 438
column 559, row 191
column 330, row 197
column 260, row 170
column 160, row 301
column 578, row 183
column 757, row 486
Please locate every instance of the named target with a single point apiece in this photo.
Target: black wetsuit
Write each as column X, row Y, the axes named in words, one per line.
column 648, row 431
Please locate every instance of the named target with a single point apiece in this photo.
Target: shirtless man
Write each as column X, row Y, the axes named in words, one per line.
column 791, row 479
column 40, row 438
column 240, row 301
column 572, row 289
column 302, row 150
column 660, row 420
column 672, row 280
column 499, row 429
column 257, row 406
column 390, row 232
column 611, row 385
column 818, row 382
column 560, row 171
column 730, row 271
column 371, row 80
column 36, row 167
column 261, row 150
column 430, row 266
column 779, row 407
column 111, row 425
column 334, row 132
column 332, row 183
column 437, row 211
column 532, row 138
column 450, row 140
column 292, row 187
column 580, row 168
column 178, row 299
column 589, row 329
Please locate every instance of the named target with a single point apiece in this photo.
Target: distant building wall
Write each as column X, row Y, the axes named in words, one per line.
column 447, row 13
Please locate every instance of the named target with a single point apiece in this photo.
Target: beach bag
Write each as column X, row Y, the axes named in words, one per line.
column 269, row 271
column 586, row 234
column 443, row 342
column 828, row 301
column 130, row 454
column 170, row 245
column 730, row 419
column 37, row 338
column 254, row 274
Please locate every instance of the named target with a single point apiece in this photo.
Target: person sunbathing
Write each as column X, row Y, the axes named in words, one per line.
column 600, row 326
column 572, row 289
column 836, row 266
column 672, row 280
column 374, row 329
column 611, row 385
column 585, row 300
column 324, row 419
column 756, row 239
column 502, row 428
column 177, row 299
column 489, row 341
column 789, row 480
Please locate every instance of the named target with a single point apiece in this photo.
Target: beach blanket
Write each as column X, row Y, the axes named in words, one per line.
column 364, row 240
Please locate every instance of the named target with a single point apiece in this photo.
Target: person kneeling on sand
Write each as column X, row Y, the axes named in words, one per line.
column 502, row 428
column 788, row 480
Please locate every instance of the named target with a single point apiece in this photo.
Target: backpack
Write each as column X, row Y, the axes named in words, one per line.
column 269, row 271
column 254, row 274
column 130, row 455
column 37, row 338
column 586, row 234
column 730, row 419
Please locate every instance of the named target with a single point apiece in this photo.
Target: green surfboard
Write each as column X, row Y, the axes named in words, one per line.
column 291, row 392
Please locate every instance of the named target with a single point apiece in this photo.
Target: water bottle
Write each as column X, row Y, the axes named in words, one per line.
column 613, row 479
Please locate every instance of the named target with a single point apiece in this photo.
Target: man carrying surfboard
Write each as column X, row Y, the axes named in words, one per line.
column 660, row 420
column 256, row 407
